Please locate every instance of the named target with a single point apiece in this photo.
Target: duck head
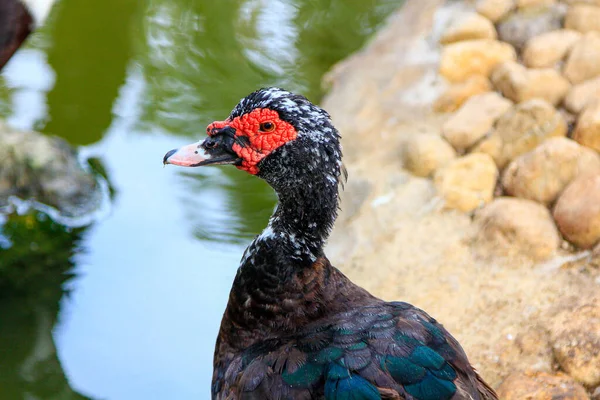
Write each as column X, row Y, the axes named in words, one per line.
column 273, row 134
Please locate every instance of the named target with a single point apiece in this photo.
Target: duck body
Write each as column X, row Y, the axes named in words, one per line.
column 295, row 327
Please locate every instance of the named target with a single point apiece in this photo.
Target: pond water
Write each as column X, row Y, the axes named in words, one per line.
column 128, row 307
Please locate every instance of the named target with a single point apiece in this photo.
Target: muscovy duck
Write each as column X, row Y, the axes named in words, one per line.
column 18, row 18
column 295, row 327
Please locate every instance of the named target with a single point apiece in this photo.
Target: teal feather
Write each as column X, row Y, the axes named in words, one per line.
column 426, row 357
column 354, row 387
column 337, row 371
column 328, row 355
column 446, row 372
column 403, row 370
column 305, row 376
column 357, row 346
column 431, row 388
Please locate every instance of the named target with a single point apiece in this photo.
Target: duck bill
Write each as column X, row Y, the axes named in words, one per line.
column 197, row 155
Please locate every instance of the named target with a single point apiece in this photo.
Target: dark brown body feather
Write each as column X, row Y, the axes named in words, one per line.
column 251, row 359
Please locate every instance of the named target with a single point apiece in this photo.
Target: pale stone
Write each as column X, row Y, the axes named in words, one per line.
column 587, row 131
column 577, row 211
column 468, row 27
column 495, row 10
column 518, row 28
column 583, row 18
column 468, row 182
column 509, row 223
column 583, row 62
column 525, row 126
column 521, row 4
column 582, row 95
column 474, row 120
column 473, row 57
column 572, row 2
column 520, row 84
column 543, row 173
column 549, row 48
column 575, row 337
column 423, row 154
column 456, row 95
column 541, row 386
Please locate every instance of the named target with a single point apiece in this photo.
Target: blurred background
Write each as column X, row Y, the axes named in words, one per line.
column 126, row 303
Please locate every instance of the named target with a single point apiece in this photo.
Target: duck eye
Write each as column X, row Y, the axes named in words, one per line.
column 267, row 127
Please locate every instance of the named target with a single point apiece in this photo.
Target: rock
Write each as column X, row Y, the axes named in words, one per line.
column 540, row 386
column 593, row 2
column 468, row 27
column 521, row 4
column 520, row 84
column 34, row 166
column 468, row 182
column 582, row 95
column 423, row 154
column 577, row 211
column 583, row 62
column 587, row 131
column 495, row 10
column 543, row 173
column 458, row 93
column 511, row 224
column 524, row 127
column 474, row 120
column 461, row 60
column 575, row 337
column 518, row 28
column 583, row 18
column 549, row 48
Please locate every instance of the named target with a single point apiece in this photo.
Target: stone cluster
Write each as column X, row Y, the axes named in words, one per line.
column 520, row 149
column 520, row 145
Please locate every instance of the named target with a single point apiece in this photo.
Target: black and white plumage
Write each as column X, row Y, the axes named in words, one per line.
column 295, row 327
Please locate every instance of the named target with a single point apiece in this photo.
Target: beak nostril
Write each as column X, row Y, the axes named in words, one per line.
column 210, row 143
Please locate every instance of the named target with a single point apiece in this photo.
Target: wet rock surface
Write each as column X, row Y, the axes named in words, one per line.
column 45, row 169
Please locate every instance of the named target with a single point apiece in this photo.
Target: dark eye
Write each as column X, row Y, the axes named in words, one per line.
column 267, row 127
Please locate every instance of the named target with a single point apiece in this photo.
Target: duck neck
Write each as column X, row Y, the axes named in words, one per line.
column 281, row 280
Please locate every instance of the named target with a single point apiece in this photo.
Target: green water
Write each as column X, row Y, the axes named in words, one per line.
column 128, row 307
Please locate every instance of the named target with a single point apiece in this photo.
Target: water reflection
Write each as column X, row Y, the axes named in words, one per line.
column 131, row 79
column 90, row 51
column 34, row 267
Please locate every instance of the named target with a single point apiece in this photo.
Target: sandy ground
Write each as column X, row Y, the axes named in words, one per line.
column 393, row 238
